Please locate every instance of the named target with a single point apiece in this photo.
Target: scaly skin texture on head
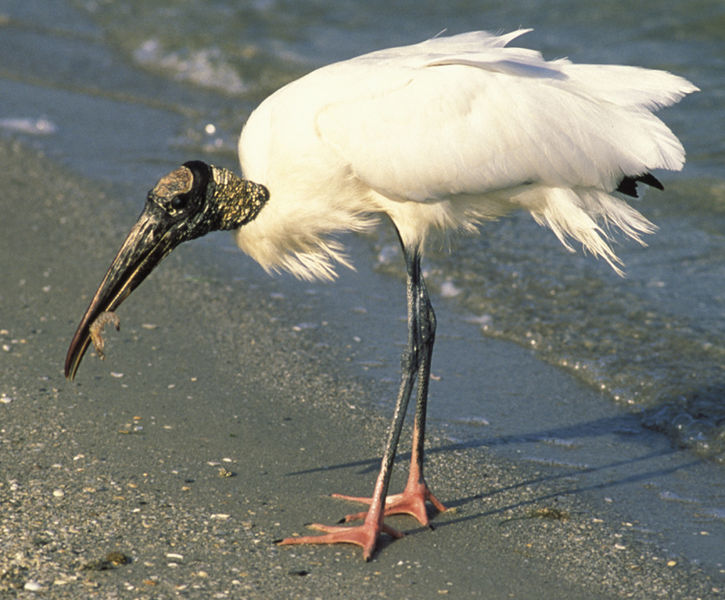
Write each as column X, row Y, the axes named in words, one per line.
column 229, row 189
column 185, row 204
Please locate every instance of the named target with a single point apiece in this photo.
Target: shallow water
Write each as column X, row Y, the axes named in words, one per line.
column 124, row 91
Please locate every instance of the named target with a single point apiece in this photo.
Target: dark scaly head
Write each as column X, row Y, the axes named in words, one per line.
column 186, row 204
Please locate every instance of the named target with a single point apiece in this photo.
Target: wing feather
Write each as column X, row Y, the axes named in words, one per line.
column 465, row 115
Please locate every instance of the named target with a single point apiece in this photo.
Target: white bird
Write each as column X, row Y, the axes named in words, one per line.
column 439, row 136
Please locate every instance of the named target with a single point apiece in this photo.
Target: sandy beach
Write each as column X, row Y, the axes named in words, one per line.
column 215, row 427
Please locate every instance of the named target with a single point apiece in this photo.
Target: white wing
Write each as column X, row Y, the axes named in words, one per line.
column 466, row 115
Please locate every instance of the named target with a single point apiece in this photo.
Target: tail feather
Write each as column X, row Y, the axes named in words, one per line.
column 628, row 185
column 587, row 216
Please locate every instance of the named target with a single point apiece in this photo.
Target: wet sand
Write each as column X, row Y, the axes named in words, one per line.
column 214, row 427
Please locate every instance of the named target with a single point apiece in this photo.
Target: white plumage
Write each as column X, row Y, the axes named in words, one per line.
column 447, row 133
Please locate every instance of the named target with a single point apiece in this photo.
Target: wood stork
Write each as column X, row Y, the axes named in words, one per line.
column 439, row 136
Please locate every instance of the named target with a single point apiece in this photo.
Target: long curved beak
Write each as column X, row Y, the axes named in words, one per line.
column 148, row 242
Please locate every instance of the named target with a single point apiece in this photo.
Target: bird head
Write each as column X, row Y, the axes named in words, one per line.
column 186, row 204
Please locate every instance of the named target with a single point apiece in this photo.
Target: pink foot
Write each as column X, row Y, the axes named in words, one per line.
column 365, row 535
column 410, row 502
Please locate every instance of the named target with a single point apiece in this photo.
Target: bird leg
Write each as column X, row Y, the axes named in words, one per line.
column 415, row 363
column 366, row 535
column 412, row 500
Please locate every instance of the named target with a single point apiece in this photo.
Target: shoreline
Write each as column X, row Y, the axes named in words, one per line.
column 209, row 378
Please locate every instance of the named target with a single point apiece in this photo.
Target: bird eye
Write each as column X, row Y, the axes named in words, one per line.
column 179, row 202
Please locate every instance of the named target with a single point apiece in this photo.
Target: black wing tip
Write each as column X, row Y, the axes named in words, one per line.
column 628, row 185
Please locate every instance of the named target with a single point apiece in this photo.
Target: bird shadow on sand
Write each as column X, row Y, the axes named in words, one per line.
column 560, row 480
column 573, row 488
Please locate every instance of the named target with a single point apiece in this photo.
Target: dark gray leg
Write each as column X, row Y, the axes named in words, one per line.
column 415, row 363
column 412, row 500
